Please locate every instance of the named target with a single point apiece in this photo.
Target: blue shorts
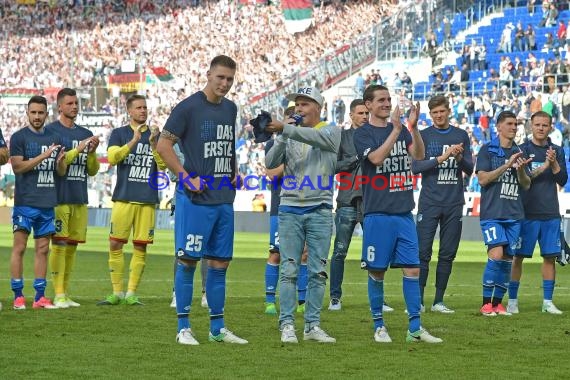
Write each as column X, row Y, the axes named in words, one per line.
column 546, row 232
column 389, row 240
column 497, row 233
column 41, row 220
column 203, row 230
column 274, row 234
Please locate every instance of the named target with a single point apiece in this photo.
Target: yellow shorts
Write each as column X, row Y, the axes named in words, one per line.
column 70, row 223
column 138, row 217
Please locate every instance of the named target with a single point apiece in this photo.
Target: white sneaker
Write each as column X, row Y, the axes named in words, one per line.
column 381, row 335
column 335, row 305
column 173, row 302
column 422, row 335
column 513, row 306
column 318, row 334
column 550, row 308
column 71, row 303
column 226, row 336
column 185, row 336
column 441, row 308
column 204, row 302
column 288, row 334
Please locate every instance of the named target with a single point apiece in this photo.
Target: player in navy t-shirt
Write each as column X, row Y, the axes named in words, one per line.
column 447, row 157
column 35, row 161
column 204, row 126
column 501, row 170
column 390, row 238
column 71, row 211
column 542, row 213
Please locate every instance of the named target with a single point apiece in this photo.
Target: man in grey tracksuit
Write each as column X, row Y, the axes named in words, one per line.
column 309, row 153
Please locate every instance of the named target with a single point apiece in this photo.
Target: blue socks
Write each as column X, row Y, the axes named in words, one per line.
column 302, row 281
column 40, row 286
column 376, row 299
column 490, row 276
column 184, row 287
column 17, row 285
column 411, row 288
column 216, row 293
column 502, row 281
column 548, row 288
column 514, row 290
column 271, row 278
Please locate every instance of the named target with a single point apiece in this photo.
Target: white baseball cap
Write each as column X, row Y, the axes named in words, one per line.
column 307, row 92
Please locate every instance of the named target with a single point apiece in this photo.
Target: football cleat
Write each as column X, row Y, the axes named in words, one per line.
column 71, row 303
column 204, row 302
column 422, row 335
column 550, row 308
column 60, row 302
column 226, row 336
column 387, row 308
column 487, row 310
column 500, row 310
column 112, row 300
column 133, row 301
column 381, row 335
column 185, row 336
column 43, row 303
column 513, row 306
column 270, row 308
column 173, row 302
column 20, row 303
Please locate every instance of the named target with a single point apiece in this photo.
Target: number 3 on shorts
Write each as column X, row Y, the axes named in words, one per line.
column 194, row 243
column 370, row 253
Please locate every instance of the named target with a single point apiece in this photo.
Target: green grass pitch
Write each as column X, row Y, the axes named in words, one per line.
column 138, row 342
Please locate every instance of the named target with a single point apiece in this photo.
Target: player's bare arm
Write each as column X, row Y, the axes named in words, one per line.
column 165, row 148
column 378, row 156
column 521, row 165
column 19, row 165
column 485, row 178
column 61, row 163
column 4, row 155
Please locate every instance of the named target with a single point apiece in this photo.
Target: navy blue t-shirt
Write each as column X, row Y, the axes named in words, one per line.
column 275, row 188
column 35, row 188
column 390, row 187
column 134, row 171
column 541, row 200
column 207, row 140
column 502, row 198
column 72, row 188
column 443, row 184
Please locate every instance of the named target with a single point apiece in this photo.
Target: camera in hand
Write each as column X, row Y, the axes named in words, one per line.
column 298, row 118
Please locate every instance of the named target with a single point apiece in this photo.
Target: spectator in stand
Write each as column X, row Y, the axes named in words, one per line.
column 530, row 35
column 530, row 7
column 519, row 37
column 552, row 15
column 561, row 33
